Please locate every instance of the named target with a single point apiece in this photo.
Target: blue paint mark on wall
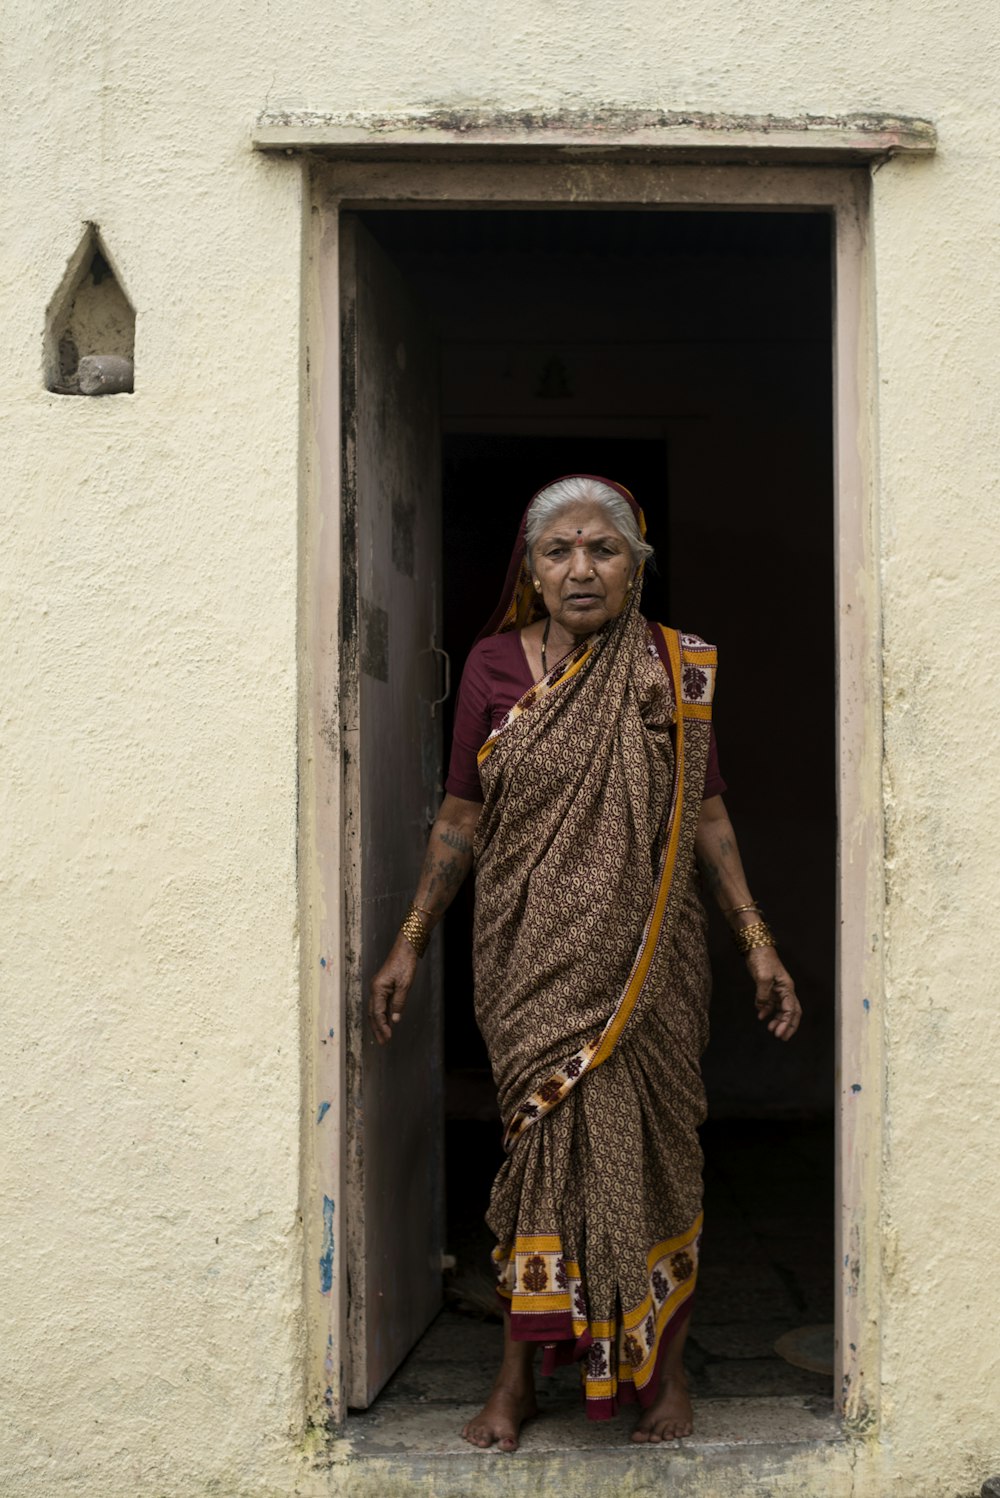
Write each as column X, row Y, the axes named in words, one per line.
column 330, row 1032
column 323, row 1110
column 855, row 1086
column 326, row 1257
column 867, row 1004
column 322, row 962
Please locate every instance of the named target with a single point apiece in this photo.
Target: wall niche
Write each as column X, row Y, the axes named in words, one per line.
column 90, row 326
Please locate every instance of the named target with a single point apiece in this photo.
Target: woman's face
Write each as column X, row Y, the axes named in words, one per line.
column 584, row 566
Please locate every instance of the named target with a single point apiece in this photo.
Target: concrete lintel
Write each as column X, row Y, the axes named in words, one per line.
column 595, row 135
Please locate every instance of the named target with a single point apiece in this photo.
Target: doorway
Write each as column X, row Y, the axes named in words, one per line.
column 689, row 355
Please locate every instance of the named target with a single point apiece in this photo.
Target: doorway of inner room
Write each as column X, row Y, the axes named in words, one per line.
column 688, row 356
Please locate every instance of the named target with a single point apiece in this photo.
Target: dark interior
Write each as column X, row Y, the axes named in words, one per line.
column 687, row 355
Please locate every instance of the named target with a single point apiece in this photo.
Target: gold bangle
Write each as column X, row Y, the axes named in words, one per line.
column 416, row 933
column 739, row 909
column 756, row 934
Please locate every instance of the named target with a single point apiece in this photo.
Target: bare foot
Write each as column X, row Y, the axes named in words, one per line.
column 670, row 1417
column 502, row 1416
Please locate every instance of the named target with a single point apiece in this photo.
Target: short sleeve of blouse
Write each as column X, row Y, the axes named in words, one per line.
column 473, row 717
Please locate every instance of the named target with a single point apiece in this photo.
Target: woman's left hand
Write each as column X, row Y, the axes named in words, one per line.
column 775, row 998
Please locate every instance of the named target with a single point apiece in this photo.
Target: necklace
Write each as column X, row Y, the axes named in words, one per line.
column 545, row 641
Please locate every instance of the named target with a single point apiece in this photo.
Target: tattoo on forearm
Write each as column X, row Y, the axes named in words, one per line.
column 456, row 840
column 712, row 875
column 442, row 877
column 452, row 871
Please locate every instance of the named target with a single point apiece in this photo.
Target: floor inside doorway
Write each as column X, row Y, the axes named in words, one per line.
column 767, row 1269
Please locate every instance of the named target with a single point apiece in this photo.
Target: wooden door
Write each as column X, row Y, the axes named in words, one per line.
column 392, row 749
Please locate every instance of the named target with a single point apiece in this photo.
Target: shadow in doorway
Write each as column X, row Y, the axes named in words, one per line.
column 705, row 337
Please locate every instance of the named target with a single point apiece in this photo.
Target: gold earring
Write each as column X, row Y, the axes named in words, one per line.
column 538, row 586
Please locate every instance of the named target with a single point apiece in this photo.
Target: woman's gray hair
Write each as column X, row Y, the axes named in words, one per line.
column 552, row 500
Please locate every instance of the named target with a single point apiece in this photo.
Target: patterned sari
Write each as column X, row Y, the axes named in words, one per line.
column 592, row 988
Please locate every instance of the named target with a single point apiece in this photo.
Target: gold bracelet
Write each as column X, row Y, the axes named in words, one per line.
column 416, row 933
column 739, row 909
column 756, row 934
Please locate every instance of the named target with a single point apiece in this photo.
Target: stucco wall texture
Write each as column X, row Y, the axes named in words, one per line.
column 150, row 1243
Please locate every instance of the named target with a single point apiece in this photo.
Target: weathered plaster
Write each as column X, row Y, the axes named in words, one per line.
column 602, row 131
column 151, row 1245
column 941, row 571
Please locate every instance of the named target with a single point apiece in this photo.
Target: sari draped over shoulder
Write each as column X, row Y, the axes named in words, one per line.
column 592, row 987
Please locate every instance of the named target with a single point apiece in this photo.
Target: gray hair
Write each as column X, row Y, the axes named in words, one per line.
column 554, row 498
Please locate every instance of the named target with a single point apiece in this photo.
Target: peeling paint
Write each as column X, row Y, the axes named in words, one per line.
column 326, row 1257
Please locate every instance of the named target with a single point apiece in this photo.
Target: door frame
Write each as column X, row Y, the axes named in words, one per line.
column 335, row 185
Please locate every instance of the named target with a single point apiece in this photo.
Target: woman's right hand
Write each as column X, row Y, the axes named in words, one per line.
column 389, row 989
column 447, row 861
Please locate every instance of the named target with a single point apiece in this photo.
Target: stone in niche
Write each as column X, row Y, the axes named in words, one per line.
column 90, row 326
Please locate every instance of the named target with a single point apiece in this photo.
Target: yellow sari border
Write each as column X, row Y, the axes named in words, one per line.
column 669, row 1250
column 538, row 1282
column 668, row 863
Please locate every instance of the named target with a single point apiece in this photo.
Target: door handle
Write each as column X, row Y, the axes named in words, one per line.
column 439, row 651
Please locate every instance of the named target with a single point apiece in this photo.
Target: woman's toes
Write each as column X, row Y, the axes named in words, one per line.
column 656, row 1435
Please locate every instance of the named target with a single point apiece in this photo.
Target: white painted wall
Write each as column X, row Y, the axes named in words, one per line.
column 150, row 1241
column 939, row 333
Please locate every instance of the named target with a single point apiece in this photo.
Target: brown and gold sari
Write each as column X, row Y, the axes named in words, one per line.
column 592, row 988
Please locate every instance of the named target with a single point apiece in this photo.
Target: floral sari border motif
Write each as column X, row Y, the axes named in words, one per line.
column 543, row 1290
column 693, row 665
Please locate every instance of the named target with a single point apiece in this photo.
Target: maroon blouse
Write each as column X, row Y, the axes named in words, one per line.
column 496, row 676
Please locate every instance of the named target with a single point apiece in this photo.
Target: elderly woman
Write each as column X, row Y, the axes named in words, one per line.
column 583, row 786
